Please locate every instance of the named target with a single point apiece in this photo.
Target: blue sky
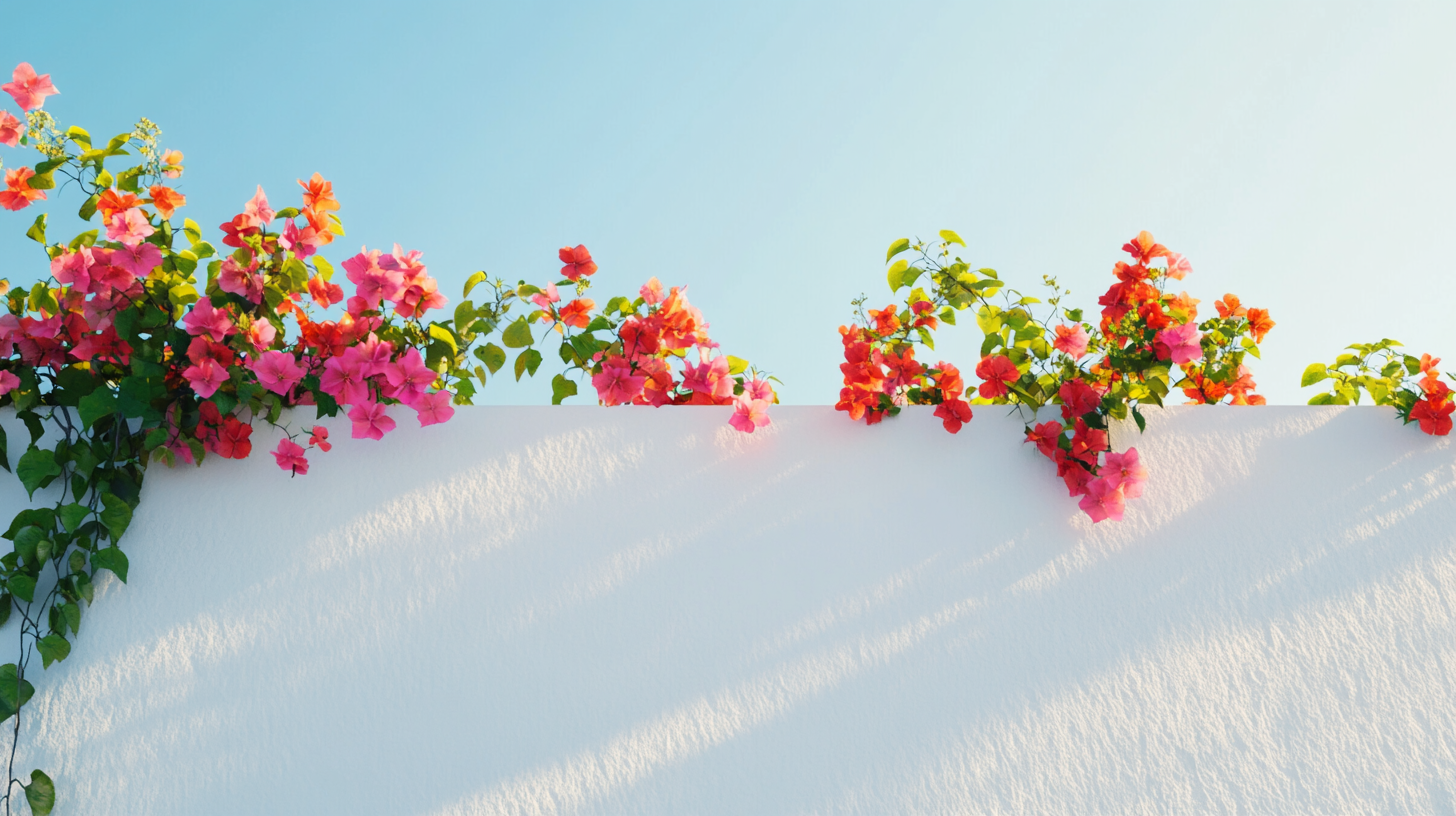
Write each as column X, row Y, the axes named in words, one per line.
column 1302, row 155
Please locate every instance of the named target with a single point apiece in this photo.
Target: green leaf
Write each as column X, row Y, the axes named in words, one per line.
column 37, row 230
column 111, row 558
column 72, row 613
column 896, row 275
column 517, row 335
column 4, row 451
column 72, row 515
column 191, row 230
column 116, row 516
column 445, row 336
column 1138, row 418
column 492, row 355
column 896, row 248
column 561, row 388
column 1313, row 374
column 950, row 237
column 36, row 465
column 472, row 282
column 40, row 793
column 95, row 405
column 325, row 269
column 1322, row 399
column 52, row 648
column 22, row 587
column 528, row 360
column 14, row 692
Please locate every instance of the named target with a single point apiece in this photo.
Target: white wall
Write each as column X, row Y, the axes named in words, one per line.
column 581, row 610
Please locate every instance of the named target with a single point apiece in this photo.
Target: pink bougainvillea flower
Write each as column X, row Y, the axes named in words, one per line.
column 11, row 129
column 374, row 283
column 709, row 377
column 262, row 333
column 409, row 377
column 749, row 414
column 1071, row 340
column 953, row 413
column 651, row 292
column 346, row 378
column 1434, row 417
column 203, row 319
column 205, row 376
column 29, row 90
column 289, row 456
column 434, row 408
column 277, row 371
column 1124, row 469
column 615, row 383
column 139, row 259
column 8, row 382
column 18, row 193
column 320, row 437
column 371, row 420
column 578, row 262
column 759, row 390
column 130, row 227
column 545, row 298
column 257, row 210
column 1104, row 500
column 246, row 283
column 1047, row 437
column 1178, row 266
column 998, row 372
column 1182, row 343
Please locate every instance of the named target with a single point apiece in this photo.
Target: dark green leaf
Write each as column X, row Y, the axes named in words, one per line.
column 95, row 405
column 116, row 516
column 52, row 648
column 40, row 793
column 4, row 451
column 527, row 361
column 111, row 558
column 14, row 692
column 561, row 388
column 72, row 515
column 36, row 466
column 22, row 587
column 493, row 356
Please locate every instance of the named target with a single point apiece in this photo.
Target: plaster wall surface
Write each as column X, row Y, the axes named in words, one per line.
column 636, row 610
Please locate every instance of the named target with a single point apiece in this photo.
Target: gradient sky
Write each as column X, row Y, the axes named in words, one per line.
column 1302, row 155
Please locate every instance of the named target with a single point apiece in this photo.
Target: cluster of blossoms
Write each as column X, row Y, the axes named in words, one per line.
column 1410, row 384
column 1092, row 372
column 642, row 339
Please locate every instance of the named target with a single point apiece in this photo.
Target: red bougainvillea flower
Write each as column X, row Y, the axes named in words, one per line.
column 1259, row 323
column 1104, row 500
column 924, row 314
column 11, row 129
column 29, row 90
column 1144, row 249
column 1088, row 443
column 1124, row 469
column 1078, row 398
column 749, row 414
column 18, row 193
column 1229, row 307
column 577, row 313
column 886, row 321
column 1047, row 436
column 1434, row 417
column 578, row 262
column 320, row 438
column 1071, row 340
column 371, row 420
column 998, row 372
column 953, row 413
column 615, row 383
column 1178, row 266
column 434, row 408
column 289, row 456
column 1071, row 472
column 1183, row 344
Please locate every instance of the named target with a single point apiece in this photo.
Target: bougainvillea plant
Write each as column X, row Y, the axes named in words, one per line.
column 653, row 349
column 145, row 342
column 1412, row 385
column 1147, row 342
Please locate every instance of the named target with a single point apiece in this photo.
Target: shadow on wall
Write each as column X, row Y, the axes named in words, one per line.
column 572, row 610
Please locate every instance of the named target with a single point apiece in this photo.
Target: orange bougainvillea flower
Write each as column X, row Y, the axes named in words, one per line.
column 112, row 202
column 318, row 194
column 18, row 193
column 166, row 200
column 1259, row 323
column 1429, row 363
column 1229, row 307
column 886, row 321
column 578, row 312
column 1184, row 304
column 1144, row 249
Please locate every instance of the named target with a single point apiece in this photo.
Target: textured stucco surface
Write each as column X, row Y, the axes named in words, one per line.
column 580, row 610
